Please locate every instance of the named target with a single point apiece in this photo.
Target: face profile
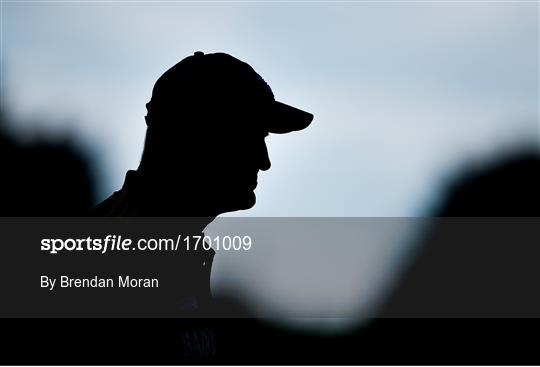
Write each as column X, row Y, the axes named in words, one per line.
column 234, row 169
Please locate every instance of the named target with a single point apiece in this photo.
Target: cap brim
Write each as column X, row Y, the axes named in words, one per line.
column 286, row 119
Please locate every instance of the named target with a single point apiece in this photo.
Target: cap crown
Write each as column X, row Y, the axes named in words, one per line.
column 201, row 82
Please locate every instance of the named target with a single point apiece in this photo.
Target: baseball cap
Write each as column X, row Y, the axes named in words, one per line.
column 206, row 80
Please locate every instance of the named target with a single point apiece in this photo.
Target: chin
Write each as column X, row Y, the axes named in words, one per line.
column 237, row 202
column 251, row 201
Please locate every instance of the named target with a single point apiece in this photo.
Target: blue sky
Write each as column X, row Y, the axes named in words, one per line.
column 403, row 93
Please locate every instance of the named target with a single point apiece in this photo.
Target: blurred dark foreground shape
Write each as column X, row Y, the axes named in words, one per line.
column 508, row 188
column 43, row 177
column 380, row 341
column 474, row 267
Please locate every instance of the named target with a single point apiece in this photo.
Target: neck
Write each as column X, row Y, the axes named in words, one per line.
column 164, row 196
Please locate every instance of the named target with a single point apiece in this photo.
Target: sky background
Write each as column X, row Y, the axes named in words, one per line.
column 405, row 94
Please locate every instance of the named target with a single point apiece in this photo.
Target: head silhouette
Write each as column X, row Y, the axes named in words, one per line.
column 205, row 143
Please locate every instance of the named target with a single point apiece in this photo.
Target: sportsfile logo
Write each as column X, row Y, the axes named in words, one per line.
column 117, row 243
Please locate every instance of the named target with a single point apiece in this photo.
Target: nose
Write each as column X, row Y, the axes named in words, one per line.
column 264, row 164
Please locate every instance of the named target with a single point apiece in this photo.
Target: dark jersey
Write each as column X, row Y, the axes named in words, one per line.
column 189, row 336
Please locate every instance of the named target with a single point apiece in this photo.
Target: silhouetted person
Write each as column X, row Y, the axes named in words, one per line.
column 205, row 144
